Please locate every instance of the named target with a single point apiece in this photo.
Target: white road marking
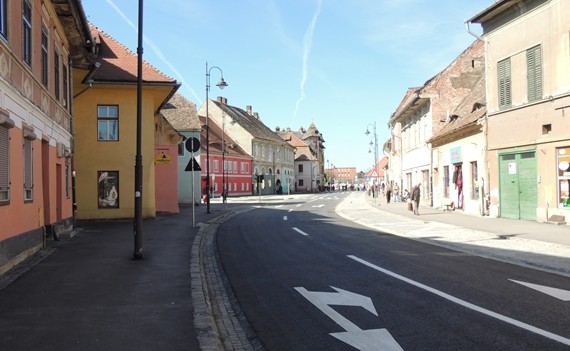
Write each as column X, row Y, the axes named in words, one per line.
column 291, row 210
column 284, row 218
column 374, row 339
column 560, row 294
column 300, row 231
column 466, row 304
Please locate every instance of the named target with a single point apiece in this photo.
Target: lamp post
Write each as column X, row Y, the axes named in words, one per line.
column 223, row 157
column 221, row 84
column 375, row 144
column 138, row 158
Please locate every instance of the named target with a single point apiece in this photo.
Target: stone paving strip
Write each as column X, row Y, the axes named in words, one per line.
column 219, row 321
column 550, row 257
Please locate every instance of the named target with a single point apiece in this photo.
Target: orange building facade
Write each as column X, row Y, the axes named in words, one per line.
column 36, row 123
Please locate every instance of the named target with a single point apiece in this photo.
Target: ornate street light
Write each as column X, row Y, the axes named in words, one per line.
column 138, row 220
column 375, row 143
column 221, row 84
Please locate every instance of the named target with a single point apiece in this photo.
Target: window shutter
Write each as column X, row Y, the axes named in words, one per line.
column 28, row 179
column 534, row 73
column 504, row 80
column 4, row 152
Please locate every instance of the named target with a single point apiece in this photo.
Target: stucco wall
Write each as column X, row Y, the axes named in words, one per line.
column 93, row 155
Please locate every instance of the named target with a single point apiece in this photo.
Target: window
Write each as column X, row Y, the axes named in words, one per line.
column 4, row 165
column 245, row 168
column 181, row 148
column 504, row 77
column 301, row 183
column 67, row 180
column 65, row 86
column 108, row 123
column 425, row 184
column 534, row 73
column 4, row 18
column 300, row 168
column 28, row 170
column 27, row 32
column 474, row 181
column 563, row 164
column 216, row 166
column 56, row 74
column 446, row 181
column 44, row 57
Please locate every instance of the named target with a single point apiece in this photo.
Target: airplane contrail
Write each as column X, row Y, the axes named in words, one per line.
column 307, row 44
column 154, row 48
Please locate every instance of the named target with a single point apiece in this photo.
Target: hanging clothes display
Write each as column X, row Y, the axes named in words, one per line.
column 459, row 185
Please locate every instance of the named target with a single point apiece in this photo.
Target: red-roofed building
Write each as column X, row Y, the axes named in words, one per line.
column 105, row 131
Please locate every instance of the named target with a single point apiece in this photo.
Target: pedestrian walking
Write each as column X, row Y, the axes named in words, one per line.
column 396, row 192
column 416, row 192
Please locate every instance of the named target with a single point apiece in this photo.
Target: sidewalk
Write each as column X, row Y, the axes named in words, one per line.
column 88, row 293
column 538, row 245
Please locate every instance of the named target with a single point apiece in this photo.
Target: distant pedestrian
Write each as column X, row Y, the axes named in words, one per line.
column 416, row 192
column 396, row 192
column 388, row 193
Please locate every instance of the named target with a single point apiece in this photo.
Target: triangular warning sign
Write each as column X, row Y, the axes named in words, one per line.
column 192, row 166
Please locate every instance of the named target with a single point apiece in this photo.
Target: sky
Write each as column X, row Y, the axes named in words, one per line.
column 343, row 65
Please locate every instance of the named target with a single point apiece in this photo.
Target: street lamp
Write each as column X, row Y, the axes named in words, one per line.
column 223, row 157
column 138, row 220
column 221, row 84
column 375, row 144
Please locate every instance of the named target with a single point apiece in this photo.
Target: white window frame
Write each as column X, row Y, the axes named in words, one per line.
column 107, row 119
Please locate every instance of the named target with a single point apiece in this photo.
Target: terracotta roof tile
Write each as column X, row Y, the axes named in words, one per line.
column 250, row 123
column 119, row 64
column 181, row 113
column 215, row 139
column 466, row 114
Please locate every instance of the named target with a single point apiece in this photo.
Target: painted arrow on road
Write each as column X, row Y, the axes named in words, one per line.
column 366, row 340
column 560, row 294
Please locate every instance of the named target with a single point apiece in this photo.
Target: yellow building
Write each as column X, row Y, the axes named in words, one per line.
column 105, row 106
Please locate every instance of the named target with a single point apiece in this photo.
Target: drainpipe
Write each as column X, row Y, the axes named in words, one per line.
column 431, row 175
column 471, row 32
column 89, row 79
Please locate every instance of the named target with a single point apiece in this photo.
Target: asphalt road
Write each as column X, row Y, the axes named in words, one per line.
column 307, row 279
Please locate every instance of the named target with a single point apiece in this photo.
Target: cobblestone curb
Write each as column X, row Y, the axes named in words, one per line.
column 220, row 324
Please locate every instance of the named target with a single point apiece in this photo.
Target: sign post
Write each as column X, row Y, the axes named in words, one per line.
column 192, row 144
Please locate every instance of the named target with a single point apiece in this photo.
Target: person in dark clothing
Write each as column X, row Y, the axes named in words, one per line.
column 388, row 193
column 416, row 192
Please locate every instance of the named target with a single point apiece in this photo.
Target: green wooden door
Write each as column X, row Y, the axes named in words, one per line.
column 528, row 187
column 509, row 187
column 518, row 188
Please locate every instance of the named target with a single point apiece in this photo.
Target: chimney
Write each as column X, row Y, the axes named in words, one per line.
column 256, row 115
column 222, row 100
column 248, row 110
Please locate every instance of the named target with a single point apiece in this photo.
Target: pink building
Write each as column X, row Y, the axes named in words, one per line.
column 230, row 165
